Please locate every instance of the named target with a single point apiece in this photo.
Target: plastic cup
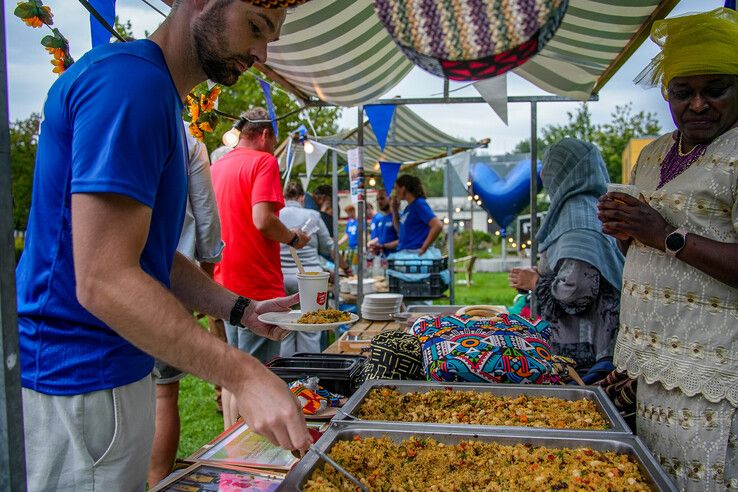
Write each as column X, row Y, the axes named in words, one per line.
column 313, row 288
column 626, row 189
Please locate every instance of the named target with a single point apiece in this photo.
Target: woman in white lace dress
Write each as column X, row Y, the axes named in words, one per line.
column 679, row 306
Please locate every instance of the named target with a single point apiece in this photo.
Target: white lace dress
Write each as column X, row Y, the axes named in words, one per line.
column 679, row 326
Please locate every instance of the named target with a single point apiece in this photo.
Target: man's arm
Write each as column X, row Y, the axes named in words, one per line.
column 265, row 219
column 109, row 233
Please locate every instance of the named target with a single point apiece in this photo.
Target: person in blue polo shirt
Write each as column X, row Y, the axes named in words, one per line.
column 383, row 234
column 101, row 291
column 351, row 235
column 417, row 225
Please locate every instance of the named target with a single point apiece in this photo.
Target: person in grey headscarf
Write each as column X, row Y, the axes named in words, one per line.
column 579, row 275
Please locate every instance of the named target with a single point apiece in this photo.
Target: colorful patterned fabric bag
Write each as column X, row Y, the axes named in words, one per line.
column 394, row 355
column 470, row 39
column 503, row 349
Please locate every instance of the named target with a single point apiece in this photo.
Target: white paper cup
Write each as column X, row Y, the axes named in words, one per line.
column 626, row 189
column 313, row 288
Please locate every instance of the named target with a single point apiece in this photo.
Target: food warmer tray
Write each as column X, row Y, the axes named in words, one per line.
column 448, row 434
column 567, row 392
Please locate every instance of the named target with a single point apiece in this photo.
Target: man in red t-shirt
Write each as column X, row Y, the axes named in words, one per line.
column 249, row 195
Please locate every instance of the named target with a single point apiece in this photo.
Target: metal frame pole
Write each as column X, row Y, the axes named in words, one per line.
column 12, row 445
column 360, row 218
column 450, row 233
column 334, row 233
column 533, row 193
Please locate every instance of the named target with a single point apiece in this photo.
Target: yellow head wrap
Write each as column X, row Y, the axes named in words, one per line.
column 696, row 44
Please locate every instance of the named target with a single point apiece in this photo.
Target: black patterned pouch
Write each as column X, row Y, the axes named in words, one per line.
column 394, row 355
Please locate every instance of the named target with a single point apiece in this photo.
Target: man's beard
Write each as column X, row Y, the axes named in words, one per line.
column 210, row 46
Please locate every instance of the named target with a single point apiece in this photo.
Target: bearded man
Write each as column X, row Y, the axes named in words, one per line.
column 101, row 290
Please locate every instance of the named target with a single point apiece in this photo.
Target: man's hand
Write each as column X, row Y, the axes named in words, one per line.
column 523, row 278
column 302, row 239
column 270, row 409
column 624, row 216
column 250, row 317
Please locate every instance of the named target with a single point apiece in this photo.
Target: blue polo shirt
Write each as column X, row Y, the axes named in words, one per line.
column 382, row 228
column 414, row 226
column 352, row 230
column 111, row 124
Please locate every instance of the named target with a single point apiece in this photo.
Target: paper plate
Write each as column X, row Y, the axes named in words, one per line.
column 288, row 321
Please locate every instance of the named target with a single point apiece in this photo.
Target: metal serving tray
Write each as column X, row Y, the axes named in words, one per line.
column 594, row 393
column 344, row 431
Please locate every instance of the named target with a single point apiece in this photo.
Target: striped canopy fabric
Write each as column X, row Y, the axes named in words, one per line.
column 339, row 51
column 410, row 141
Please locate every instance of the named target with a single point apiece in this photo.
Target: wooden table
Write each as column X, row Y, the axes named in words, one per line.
column 347, row 343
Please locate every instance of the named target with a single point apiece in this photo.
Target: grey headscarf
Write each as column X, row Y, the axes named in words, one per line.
column 575, row 176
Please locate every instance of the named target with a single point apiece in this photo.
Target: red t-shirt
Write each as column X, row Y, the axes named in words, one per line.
column 251, row 264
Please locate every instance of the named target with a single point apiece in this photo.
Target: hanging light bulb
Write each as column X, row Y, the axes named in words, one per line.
column 476, row 197
column 509, row 240
column 479, row 202
column 528, row 241
column 372, row 182
column 308, row 146
column 445, row 220
column 231, row 137
column 469, row 197
column 468, row 184
column 497, row 233
column 458, row 210
column 523, row 246
column 514, row 245
column 489, row 221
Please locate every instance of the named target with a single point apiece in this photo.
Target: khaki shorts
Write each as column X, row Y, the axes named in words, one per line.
column 99, row 441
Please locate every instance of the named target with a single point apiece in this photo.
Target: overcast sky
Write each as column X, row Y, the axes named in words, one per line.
column 30, row 76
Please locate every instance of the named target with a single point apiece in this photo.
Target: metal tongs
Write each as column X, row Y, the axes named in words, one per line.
column 346, row 414
column 338, row 467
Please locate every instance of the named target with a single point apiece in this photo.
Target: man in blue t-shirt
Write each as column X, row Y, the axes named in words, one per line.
column 383, row 234
column 100, row 288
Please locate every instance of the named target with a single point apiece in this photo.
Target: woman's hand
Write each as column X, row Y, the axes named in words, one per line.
column 523, row 278
column 624, row 217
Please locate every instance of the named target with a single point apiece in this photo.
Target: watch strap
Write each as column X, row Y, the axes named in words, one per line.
column 293, row 241
column 237, row 312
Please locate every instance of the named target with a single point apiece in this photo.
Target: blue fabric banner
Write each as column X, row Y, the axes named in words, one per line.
column 389, row 172
column 730, row 4
column 267, row 90
column 106, row 8
column 380, row 117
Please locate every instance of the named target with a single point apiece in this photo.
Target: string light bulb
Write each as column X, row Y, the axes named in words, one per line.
column 308, row 147
column 445, row 220
column 479, row 202
column 497, row 233
column 231, row 137
column 458, row 210
column 372, row 182
column 468, row 184
column 476, row 197
column 514, row 245
column 489, row 221
column 469, row 197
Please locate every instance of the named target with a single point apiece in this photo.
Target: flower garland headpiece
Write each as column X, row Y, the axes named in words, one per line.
column 35, row 14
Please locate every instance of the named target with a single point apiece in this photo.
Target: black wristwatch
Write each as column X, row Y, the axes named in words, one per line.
column 675, row 241
column 237, row 312
column 294, row 240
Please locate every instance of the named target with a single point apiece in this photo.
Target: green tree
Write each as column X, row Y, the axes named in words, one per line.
column 23, row 141
column 611, row 138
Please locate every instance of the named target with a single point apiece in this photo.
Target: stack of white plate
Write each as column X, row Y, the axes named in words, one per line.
column 378, row 307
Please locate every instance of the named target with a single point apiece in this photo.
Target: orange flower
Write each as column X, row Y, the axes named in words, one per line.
column 33, row 22
column 206, row 104
column 58, row 66
column 205, row 126
column 195, row 131
column 214, row 93
column 58, row 53
column 194, row 109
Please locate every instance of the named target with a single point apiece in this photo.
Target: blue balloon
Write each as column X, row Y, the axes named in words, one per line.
column 504, row 199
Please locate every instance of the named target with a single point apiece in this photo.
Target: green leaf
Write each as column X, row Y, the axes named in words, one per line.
column 24, row 10
column 52, row 42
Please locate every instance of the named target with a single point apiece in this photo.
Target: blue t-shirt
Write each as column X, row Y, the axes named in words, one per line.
column 111, row 124
column 414, row 226
column 382, row 228
column 352, row 229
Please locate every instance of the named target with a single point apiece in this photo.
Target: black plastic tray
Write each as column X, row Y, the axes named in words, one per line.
column 338, row 374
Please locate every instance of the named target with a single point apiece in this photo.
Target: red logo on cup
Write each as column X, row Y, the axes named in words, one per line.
column 321, row 298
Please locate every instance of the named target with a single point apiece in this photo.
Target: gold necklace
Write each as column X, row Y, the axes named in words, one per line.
column 679, row 147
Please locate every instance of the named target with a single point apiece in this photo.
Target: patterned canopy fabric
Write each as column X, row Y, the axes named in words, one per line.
column 339, row 51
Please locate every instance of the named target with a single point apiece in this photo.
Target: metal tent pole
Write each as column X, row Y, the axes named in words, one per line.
column 12, row 446
column 334, row 232
column 450, row 233
column 533, row 193
column 360, row 218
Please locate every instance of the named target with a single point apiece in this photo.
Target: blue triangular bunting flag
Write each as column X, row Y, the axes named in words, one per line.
column 730, row 4
column 267, row 90
column 380, row 117
column 106, row 8
column 389, row 172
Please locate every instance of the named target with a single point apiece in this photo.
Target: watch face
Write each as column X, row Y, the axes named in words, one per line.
column 675, row 241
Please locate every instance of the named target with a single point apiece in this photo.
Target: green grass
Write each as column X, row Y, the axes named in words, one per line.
column 201, row 421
